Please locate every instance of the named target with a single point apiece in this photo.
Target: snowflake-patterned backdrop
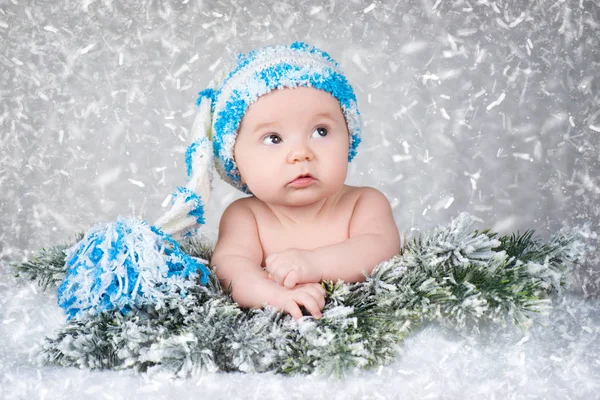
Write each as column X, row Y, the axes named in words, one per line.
column 487, row 107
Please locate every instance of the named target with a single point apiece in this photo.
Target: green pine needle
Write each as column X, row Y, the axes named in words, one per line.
column 47, row 266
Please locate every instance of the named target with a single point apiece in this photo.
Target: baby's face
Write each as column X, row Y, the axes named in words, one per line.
column 287, row 133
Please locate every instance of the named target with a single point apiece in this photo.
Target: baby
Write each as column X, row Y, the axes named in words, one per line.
column 285, row 127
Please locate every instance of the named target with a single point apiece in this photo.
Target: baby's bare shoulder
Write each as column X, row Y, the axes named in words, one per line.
column 242, row 215
column 364, row 194
column 239, row 206
column 250, row 205
column 371, row 209
column 238, row 233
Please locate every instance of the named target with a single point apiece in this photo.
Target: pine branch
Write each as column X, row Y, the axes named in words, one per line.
column 47, row 266
column 451, row 274
column 517, row 244
column 195, row 247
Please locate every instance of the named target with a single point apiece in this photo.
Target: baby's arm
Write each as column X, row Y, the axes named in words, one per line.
column 373, row 238
column 237, row 258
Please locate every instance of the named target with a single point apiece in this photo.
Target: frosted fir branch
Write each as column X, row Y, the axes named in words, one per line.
column 451, row 246
column 470, row 293
column 47, row 266
column 198, row 247
column 471, row 276
column 196, row 345
column 82, row 344
column 478, row 279
column 535, row 270
column 363, row 333
column 260, row 342
column 554, row 261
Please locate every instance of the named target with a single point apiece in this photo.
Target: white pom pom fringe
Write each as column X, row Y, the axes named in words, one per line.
column 124, row 265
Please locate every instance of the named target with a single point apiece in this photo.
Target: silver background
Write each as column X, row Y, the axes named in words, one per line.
column 95, row 94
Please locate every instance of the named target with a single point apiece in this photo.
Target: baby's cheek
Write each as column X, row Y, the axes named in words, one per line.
column 247, row 174
column 338, row 170
column 255, row 187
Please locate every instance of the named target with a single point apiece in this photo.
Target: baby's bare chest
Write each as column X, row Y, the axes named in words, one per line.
column 330, row 230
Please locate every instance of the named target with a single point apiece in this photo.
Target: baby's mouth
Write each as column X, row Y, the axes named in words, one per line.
column 302, row 179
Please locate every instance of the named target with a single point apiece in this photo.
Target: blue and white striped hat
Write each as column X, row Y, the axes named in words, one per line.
column 224, row 102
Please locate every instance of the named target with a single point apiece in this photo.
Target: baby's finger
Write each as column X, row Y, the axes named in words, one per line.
column 291, row 279
column 270, row 258
column 317, row 288
column 320, row 301
column 320, row 289
column 278, row 274
column 293, row 309
column 272, row 277
column 316, row 294
column 309, row 303
column 284, row 273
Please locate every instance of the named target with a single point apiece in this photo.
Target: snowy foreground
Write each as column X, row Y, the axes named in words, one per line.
column 557, row 358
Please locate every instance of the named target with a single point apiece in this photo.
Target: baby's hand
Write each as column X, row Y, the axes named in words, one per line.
column 293, row 266
column 309, row 295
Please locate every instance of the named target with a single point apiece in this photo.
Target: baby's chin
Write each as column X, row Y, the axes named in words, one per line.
column 301, row 198
column 294, row 200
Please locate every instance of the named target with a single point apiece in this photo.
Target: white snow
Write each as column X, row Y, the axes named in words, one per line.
column 497, row 102
column 556, row 358
column 369, row 8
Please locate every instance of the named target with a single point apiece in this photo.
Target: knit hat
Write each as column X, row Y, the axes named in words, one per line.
column 223, row 104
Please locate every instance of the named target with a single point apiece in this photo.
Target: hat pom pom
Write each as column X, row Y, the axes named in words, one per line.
column 125, row 265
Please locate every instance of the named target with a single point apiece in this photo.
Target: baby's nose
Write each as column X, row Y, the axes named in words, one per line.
column 300, row 152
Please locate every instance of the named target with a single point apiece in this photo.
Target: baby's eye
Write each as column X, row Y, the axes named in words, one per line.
column 271, row 139
column 321, row 131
